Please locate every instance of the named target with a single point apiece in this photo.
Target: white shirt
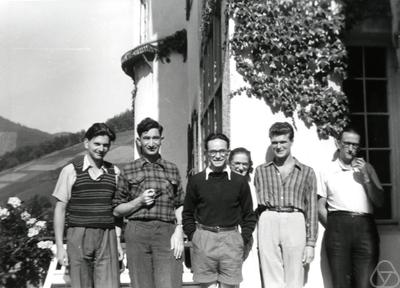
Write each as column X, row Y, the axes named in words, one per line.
column 338, row 186
column 226, row 169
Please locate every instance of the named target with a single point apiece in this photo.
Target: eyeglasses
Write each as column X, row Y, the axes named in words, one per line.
column 214, row 153
column 348, row 144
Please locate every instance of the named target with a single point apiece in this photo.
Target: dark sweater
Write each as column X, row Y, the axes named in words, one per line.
column 218, row 201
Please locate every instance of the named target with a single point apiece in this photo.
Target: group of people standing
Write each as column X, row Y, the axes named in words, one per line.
column 216, row 213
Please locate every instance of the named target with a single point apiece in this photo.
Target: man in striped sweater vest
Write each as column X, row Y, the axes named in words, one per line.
column 84, row 194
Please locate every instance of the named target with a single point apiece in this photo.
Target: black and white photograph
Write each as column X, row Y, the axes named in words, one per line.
column 199, row 143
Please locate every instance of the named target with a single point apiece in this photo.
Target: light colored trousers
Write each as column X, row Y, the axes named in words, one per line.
column 281, row 242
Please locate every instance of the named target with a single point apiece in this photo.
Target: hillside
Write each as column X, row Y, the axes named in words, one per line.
column 14, row 135
column 38, row 177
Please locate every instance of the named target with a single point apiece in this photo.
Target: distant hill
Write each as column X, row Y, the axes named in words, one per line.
column 14, row 135
column 121, row 122
column 38, row 177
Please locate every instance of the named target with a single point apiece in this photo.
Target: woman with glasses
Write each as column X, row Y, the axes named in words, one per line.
column 240, row 162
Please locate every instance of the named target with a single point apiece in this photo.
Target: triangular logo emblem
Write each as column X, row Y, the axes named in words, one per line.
column 386, row 274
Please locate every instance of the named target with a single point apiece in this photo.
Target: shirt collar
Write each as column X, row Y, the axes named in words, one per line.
column 159, row 161
column 226, row 170
column 342, row 166
column 87, row 164
column 296, row 163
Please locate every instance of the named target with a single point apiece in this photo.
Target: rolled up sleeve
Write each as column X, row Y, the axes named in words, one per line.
column 66, row 179
column 122, row 193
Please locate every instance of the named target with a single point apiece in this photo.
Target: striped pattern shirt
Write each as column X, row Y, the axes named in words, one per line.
column 297, row 190
column 90, row 204
column 163, row 176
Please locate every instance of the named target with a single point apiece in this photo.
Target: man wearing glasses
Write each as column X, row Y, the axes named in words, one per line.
column 150, row 195
column 349, row 190
column 287, row 196
column 216, row 202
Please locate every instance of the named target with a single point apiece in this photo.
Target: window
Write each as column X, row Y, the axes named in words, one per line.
column 188, row 8
column 144, row 21
column 211, row 68
column 367, row 90
column 193, row 137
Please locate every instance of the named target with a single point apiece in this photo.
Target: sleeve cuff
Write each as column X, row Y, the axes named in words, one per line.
column 310, row 243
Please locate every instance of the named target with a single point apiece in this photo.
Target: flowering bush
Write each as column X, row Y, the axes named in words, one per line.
column 24, row 253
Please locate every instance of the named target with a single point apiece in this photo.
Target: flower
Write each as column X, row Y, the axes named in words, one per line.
column 16, row 267
column 25, row 216
column 15, row 202
column 45, row 244
column 31, row 221
column 4, row 213
column 23, row 244
column 33, row 231
column 40, row 225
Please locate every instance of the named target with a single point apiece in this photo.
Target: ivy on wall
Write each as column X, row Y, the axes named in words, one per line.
column 286, row 50
column 174, row 43
column 208, row 10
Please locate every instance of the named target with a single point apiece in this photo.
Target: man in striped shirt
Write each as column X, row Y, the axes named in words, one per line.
column 287, row 198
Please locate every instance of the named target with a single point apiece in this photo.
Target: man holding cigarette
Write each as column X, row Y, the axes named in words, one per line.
column 150, row 195
column 349, row 190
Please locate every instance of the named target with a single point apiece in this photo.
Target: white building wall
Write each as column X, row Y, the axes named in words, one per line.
column 136, row 22
column 174, row 111
column 162, row 87
column 165, row 18
column 146, row 101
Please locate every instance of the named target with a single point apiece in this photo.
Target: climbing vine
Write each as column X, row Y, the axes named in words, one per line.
column 209, row 9
column 287, row 51
column 174, row 43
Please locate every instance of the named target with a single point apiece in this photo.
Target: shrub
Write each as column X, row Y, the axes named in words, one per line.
column 24, row 252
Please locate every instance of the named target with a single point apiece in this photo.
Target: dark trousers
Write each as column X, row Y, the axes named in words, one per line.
column 93, row 257
column 151, row 261
column 352, row 244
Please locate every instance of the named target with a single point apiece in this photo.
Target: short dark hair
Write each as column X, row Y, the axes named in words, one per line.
column 349, row 129
column 281, row 128
column 146, row 124
column 99, row 129
column 214, row 136
column 243, row 150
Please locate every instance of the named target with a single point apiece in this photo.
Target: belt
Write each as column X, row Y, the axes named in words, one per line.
column 284, row 209
column 261, row 208
column 216, row 229
column 350, row 213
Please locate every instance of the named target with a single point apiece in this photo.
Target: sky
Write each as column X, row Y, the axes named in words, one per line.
column 60, row 68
